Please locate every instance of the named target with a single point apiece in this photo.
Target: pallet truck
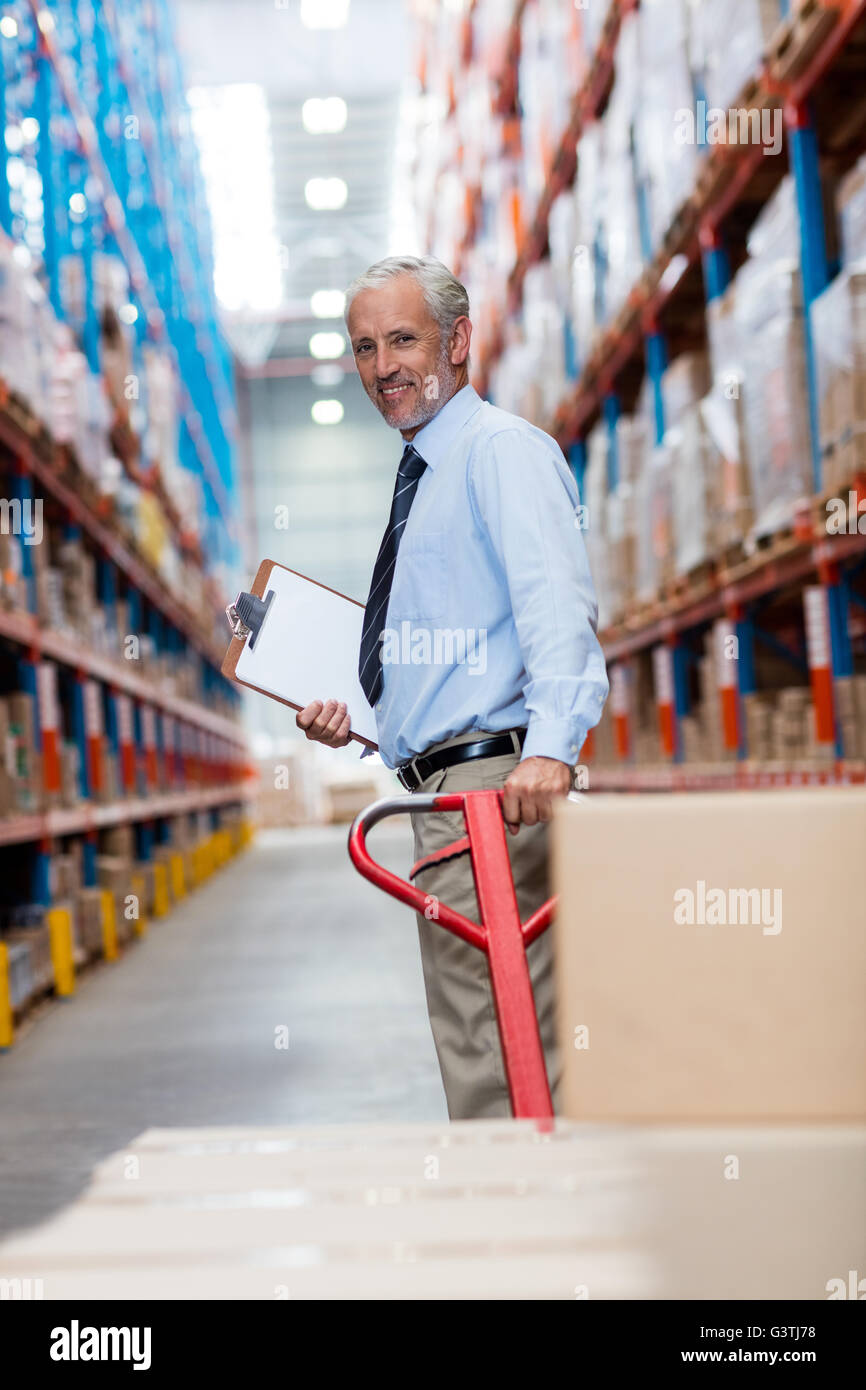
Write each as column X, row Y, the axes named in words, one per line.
column 500, row 933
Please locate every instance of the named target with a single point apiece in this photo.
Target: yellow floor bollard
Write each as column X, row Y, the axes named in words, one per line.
column 139, row 925
column 60, row 934
column 178, row 886
column 160, row 890
column 109, row 925
column 7, row 1021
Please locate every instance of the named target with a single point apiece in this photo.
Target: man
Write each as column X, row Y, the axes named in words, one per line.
column 479, row 651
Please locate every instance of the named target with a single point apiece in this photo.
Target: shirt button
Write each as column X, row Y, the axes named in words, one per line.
column 574, row 748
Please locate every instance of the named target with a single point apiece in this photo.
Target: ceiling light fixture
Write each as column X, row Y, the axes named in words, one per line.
column 325, row 195
column 324, row 115
column 328, row 304
column 324, row 14
column 327, row 412
column 324, row 345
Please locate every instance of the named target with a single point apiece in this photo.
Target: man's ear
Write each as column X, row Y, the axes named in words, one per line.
column 461, row 333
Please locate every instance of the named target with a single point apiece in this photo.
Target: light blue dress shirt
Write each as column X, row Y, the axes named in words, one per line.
column 492, row 619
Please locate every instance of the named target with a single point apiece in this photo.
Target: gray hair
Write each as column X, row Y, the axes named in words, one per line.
column 444, row 295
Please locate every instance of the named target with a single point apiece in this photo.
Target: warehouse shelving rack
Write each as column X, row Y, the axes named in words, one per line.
column 663, row 315
column 149, row 204
column 104, row 83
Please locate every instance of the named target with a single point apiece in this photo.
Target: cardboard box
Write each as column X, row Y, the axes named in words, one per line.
column 474, row 1210
column 23, row 763
column 839, row 340
column 30, row 948
column 70, row 766
column 119, row 840
column 115, row 872
column 755, row 1020
column 88, row 922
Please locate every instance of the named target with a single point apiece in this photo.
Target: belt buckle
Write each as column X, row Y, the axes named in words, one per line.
column 408, row 777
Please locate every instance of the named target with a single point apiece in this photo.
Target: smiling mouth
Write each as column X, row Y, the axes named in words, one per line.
column 392, row 392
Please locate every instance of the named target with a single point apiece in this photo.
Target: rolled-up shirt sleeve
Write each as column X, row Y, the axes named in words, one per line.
column 525, row 500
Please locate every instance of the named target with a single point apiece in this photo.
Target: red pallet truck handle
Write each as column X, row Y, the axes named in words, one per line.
column 500, row 933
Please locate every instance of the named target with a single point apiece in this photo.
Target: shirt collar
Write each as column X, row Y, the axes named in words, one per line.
column 435, row 438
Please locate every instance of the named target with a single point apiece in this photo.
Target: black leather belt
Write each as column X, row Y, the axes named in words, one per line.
column 413, row 773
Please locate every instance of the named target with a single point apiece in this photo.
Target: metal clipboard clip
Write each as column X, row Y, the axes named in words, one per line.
column 247, row 614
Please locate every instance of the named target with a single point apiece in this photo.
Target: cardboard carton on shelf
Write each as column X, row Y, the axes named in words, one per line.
column 850, row 201
column 30, row 957
column 8, row 762
column 114, row 872
column 725, row 436
column 684, row 384
column 87, row 905
column 346, row 799
column 119, row 840
column 711, row 959
column 70, row 785
column 729, row 40
column 13, row 589
column 21, row 983
column 23, row 761
column 65, row 872
column 838, row 318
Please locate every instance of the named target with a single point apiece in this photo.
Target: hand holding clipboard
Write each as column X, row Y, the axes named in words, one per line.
column 298, row 641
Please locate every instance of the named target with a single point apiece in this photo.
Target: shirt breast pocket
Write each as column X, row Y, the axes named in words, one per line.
column 420, row 587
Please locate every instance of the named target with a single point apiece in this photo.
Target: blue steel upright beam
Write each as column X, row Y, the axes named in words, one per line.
column 610, row 409
column 45, row 164
column 80, row 729
column 88, row 859
column 813, row 248
column 577, row 462
column 715, row 263
column 5, row 209
column 22, row 488
column 656, row 362
column 680, row 654
column 744, row 628
column 815, row 269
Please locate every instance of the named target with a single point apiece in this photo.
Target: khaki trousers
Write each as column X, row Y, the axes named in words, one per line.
column 456, row 975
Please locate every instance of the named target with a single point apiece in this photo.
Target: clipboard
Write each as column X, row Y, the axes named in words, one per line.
column 277, row 647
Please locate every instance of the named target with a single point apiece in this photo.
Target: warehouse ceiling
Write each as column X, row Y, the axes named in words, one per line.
column 369, row 64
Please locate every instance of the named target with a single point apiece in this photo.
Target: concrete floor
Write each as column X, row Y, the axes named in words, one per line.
column 181, row 1031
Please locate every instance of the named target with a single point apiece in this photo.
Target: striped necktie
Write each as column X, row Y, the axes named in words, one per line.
column 370, row 661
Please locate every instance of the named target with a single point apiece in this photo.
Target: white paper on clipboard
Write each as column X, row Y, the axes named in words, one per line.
column 307, row 649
